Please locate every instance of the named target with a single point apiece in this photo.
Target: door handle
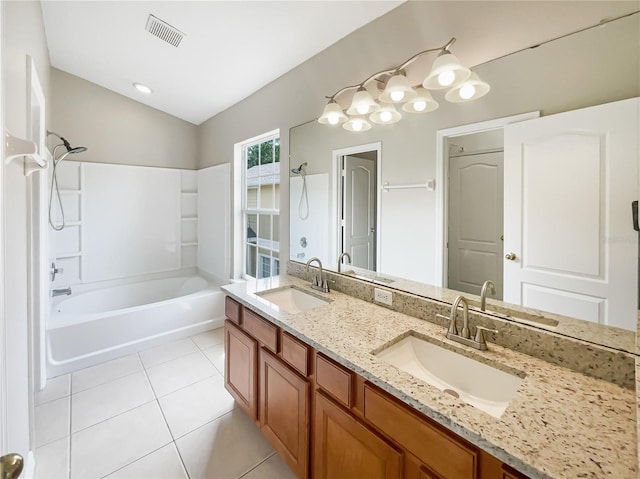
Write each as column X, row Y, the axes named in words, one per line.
column 510, row 256
column 11, row 466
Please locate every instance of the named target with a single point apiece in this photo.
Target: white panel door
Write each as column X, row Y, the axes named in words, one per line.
column 570, row 179
column 359, row 211
column 475, row 222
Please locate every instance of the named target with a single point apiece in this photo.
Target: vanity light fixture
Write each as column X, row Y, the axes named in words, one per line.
column 332, row 114
column 143, row 88
column 422, row 103
column 468, row 90
column 362, row 103
column 357, row 123
column 446, row 73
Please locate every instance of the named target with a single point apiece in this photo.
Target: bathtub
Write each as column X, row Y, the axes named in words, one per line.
column 88, row 328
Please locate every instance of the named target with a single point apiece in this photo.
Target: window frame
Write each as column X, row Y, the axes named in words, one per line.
column 269, row 246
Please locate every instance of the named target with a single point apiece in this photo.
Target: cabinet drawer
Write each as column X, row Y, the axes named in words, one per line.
column 335, row 380
column 296, row 353
column 262, row 330
column 232, row 310
column 444, row 455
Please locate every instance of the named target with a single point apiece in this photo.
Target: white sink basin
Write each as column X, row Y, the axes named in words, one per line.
column 292, row 300
column 475, row 383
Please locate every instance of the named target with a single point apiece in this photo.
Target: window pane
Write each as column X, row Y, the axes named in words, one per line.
column 253, row 156
column 250, row 261
column 264, row 263
column 276, row 149
column 252, row 228
column 267, row 196
column 276, row 230
column 264, row 231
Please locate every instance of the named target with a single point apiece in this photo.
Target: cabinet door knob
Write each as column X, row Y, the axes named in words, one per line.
column 510, row 256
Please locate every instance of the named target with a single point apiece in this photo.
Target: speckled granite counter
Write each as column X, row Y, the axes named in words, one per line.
column 560, row 424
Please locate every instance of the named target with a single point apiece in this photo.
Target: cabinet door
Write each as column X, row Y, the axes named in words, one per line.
column 240, row 378
column 284, row 412
column 346, row 449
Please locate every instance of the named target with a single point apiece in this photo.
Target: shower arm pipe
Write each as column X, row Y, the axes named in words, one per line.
column 390, row 71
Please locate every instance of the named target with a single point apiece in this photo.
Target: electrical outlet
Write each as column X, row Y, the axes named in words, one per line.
column 382, row 296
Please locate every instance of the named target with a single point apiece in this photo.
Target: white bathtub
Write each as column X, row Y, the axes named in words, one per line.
column 88, row 328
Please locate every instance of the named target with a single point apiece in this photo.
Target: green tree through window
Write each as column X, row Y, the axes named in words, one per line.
column 263, row 153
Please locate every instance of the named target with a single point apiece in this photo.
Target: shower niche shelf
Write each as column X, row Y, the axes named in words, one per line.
column 15, row 147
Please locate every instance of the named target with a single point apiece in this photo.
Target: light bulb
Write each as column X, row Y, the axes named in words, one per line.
column 397, row 95
column 385, row 116
column 363, row 109
column 356, row 125
column 446, row 78
column 467, row 91
column 333, row 119
column 419, row 105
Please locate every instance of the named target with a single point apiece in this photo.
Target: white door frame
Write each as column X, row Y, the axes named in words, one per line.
column 3, row 360
column 336, row 176
column 442, row 193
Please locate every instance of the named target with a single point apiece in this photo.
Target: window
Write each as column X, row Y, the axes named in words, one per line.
column 261, row 207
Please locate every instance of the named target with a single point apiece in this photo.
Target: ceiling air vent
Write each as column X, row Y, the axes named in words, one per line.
column 164, row 31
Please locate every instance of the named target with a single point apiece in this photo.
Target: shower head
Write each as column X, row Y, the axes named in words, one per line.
column 299, row 170
column 71, row 151
column 66, row 144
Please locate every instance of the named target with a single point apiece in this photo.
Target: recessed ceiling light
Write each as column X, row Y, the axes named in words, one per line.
column 143, row 88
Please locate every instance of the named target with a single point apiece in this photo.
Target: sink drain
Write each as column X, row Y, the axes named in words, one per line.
column 452, row 392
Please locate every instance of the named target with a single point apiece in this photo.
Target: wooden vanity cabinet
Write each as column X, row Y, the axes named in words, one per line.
column 344, row 448
column 327, row 422
column 284, row 411
column 240, row 368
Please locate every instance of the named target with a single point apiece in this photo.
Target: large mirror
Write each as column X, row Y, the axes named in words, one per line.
column 433, row 204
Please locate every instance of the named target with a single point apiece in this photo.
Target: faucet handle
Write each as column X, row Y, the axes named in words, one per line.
column 480, row 334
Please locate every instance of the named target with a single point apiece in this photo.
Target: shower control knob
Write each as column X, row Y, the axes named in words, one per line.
column 510, row 256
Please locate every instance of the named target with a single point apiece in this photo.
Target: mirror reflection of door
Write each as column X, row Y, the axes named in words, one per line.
column 359, row 208
column 475, row 221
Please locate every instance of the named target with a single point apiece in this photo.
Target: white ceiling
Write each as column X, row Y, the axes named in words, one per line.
column 232, row 48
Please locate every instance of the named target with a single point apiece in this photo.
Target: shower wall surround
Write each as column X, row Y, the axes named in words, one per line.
column 124, row 221
column 214, row 220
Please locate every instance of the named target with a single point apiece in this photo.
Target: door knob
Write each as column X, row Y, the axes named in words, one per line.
column 510, row 256
column 11, row 466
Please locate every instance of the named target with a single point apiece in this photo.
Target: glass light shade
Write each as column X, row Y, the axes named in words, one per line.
column 332, row 114
column 386, row 115
column 446, row 72
column 468, row 90
column 362, row 103
column 357, row 123
column 397, row 90
column 422, row 103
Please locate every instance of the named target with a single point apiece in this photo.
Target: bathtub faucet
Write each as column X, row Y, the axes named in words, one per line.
column 61, row 292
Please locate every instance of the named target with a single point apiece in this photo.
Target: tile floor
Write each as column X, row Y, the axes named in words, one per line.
column 159, row 414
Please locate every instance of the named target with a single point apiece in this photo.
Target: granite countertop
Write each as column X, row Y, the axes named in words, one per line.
column 560, row 424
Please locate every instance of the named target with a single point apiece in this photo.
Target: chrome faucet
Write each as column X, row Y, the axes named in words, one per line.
column 61, row 292
column 318, row 283
column 483, row 293
column 342, row 255
column 464, row 337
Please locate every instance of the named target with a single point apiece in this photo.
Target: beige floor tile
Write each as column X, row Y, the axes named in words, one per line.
column 102, row 402
column 195, row 405
column 164, row 463
column 56, row 388
column 52, row 421
column 209, row 338
column 167, row 352
column 272, row 468
column 225, row 448
column 52, row 460
column 216, row 356
column 108, row 446
column 173, row 375
column 105, row 372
